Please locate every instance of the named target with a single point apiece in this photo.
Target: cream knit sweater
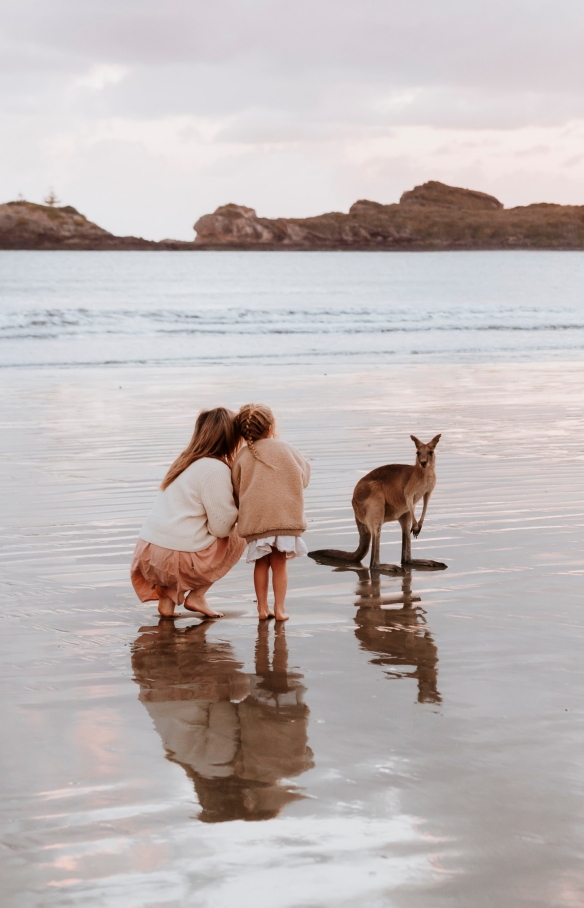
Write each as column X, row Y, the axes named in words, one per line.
column 271, row 500
column 194, row 510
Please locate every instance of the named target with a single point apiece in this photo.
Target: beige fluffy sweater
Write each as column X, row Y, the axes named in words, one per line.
column 270, row 494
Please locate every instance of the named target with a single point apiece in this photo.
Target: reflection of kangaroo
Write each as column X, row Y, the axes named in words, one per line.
column 236, row 735
column 397, row 637
column 391, row 493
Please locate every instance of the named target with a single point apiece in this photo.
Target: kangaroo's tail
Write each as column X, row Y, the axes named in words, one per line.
column 347, row 557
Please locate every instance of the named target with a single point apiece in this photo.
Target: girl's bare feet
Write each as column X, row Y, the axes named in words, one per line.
column 264, row 614
column 280, row 614
column 166, row 607
column 196, row 602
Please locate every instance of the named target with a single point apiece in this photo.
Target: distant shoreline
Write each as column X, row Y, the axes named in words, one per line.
column 432, row 217
column 291, row 249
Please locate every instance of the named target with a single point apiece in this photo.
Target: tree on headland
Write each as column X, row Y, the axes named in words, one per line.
column 51, row 199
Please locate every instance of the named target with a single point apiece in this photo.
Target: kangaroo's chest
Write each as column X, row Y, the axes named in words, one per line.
column 423, row 484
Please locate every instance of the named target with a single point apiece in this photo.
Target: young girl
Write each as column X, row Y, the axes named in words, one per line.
column 268, row 478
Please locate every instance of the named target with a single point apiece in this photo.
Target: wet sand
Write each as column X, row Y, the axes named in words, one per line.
column 402, row 741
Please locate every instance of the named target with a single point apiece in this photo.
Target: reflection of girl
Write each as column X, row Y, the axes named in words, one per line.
column 269, row 477
column 188, row 540
column 236, row 735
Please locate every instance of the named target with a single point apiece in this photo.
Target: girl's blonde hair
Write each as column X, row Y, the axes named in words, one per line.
column 216, row 435
column 254, row 421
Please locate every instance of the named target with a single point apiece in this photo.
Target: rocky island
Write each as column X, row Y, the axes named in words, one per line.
column 432, row 216
column 26, row 225
column 429, row 217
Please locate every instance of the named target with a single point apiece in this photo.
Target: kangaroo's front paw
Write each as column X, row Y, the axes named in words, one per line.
column 416, row 530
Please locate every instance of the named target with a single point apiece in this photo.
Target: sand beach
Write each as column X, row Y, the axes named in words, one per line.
column 403, row 741
column 369, row 219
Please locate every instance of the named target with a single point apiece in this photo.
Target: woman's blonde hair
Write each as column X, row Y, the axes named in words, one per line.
column 254, row 421
column 216, row 435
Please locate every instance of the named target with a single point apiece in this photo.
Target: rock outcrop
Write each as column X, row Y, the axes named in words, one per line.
column 431, row 216
column 439, row 195
column 236, row 225
column 25, row 225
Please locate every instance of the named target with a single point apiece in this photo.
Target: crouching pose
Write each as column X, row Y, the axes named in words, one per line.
column 189, row 540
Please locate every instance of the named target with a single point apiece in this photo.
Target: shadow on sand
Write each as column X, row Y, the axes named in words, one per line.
column 235, row 734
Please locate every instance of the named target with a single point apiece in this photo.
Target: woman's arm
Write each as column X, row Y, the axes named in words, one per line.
column 217, row 497
column 236, row 480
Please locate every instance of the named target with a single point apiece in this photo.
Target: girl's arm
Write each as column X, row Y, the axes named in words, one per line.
column 303, row 464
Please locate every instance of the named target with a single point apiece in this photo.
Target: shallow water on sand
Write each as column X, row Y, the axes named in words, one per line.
column 400, row 742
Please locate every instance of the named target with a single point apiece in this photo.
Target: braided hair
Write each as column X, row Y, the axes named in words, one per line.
column 254, row 421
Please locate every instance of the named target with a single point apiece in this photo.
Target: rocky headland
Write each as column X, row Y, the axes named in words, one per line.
column 25, row 225
column 429, row 217
column 432, row 216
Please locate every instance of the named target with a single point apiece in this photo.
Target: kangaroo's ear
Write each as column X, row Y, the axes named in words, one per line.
column 434, row 441
column 416, row 441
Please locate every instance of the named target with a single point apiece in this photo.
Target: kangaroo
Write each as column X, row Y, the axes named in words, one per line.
column 391, row 493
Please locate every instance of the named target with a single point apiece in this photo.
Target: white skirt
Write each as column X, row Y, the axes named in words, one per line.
column 294, row 546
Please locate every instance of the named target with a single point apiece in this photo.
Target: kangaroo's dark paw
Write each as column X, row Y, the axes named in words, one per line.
column 421, row 564
column 415, row 531
column 394, row 569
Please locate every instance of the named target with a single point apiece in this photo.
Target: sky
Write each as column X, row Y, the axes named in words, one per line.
column 145, row 115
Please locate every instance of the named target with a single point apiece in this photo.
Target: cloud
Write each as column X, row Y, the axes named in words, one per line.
column 574, row 160
column 403, row 62
column 306, row 93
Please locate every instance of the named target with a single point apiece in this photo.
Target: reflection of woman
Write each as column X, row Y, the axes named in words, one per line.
column 236, row 735
column 188, row 540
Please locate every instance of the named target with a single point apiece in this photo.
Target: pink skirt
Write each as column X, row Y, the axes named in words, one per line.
column 158, row 573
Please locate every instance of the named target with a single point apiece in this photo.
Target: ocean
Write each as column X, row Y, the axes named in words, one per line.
column 75, row 308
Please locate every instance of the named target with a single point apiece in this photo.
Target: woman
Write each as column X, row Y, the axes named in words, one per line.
column 189, row 540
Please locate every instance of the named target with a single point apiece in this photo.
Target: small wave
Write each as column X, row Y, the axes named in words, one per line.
column 37, row 324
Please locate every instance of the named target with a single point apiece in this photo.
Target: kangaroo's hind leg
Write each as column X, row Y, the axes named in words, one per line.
column 375, row 518
column 421, row 564
column 405, row 522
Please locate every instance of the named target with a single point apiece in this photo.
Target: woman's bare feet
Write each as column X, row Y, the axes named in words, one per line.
column 280, row 614
column 264, row 613
column 196, row 602
column 166, row 607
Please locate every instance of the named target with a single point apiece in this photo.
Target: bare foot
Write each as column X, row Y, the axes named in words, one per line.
column 280, row 614
column 194, row 603
column 166, row 607
column 264, row 614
